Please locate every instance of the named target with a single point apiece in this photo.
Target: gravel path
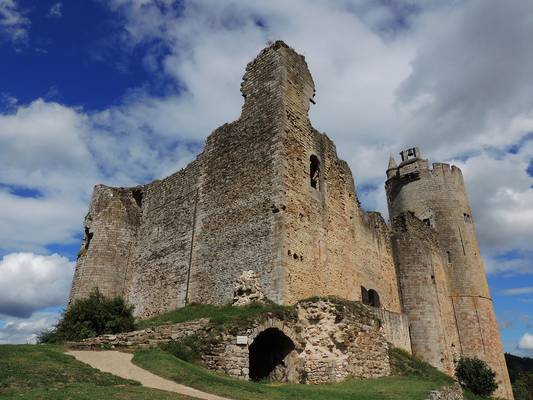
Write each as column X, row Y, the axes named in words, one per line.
column 120, row 364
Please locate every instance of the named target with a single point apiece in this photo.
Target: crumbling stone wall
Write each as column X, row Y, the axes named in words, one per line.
column 246, row 203
column 110, row 230
column 333, row 339
column 269, row 194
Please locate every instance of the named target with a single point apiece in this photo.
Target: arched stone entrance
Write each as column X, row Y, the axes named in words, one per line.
column 268, row 355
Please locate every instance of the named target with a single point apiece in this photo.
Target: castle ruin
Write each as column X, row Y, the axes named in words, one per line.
column 268, row 194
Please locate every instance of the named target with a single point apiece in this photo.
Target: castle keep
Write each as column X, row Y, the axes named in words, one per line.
column 269, row 194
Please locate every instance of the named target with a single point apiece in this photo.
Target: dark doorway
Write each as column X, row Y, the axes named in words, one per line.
column 267, row 352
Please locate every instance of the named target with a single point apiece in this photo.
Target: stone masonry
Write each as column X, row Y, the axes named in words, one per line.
column 331, row 339
column 268, row 194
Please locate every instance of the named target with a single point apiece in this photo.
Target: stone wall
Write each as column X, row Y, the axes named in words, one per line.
column 453, row 392
column 110, row 228
column 245, row 203
column 424, row 292
column 437, row 196
column 395, row 328
column 333, row 339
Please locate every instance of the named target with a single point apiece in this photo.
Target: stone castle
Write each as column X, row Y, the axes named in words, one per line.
column 269, row 194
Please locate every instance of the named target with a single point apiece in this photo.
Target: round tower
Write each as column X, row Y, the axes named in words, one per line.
column 437, row 196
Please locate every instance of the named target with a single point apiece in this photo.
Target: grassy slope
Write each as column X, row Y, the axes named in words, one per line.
column 43, row 372
column 217, row 314
column 413, row 381
column 389, row 388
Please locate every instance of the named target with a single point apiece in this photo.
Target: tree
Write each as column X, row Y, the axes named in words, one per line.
column 90, row 317
column 523, row 386
column 476, row 376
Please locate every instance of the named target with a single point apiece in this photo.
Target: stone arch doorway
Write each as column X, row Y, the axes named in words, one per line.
column 268, row 355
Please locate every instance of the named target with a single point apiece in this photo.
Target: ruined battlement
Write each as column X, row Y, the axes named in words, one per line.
column 269, row 194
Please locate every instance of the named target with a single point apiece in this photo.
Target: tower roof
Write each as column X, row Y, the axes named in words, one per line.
column 392, row 163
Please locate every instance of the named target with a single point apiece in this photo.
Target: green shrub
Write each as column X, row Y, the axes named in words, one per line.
column 185, row 349
column 523, row 386
column 90, row 317
column 476, row 376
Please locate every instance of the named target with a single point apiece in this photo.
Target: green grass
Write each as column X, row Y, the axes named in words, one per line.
column 43, row 372
column 219, row 315
column 413, row 387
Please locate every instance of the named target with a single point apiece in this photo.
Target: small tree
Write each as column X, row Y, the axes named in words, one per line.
column 476, row 376
column 523, row 386
column 89, row 317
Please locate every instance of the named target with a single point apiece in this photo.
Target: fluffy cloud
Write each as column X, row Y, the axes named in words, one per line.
column 446, row 77
column 13, row 25
column 29, row 282
column 16, row 330
column 526, row 342
column 43, row 147
column 59, row 153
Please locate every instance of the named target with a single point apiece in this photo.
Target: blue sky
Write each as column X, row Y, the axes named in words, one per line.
column 124, row 91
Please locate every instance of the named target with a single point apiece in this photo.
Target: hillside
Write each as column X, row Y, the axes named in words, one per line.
column 516, row 365
column 44, row 372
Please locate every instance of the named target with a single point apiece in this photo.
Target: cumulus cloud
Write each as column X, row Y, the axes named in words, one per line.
column 17, row 330
column 14, row 25
column 447, row 77
column 29, row 282
column 526, row 342
column 60, row 153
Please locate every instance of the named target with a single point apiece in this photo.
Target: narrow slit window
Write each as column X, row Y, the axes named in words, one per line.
column 314, row 172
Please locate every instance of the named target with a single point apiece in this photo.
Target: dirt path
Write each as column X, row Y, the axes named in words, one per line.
column 120, row 364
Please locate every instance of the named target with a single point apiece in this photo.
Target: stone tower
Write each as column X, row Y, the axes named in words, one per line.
column 437, row 197
column 268, row 193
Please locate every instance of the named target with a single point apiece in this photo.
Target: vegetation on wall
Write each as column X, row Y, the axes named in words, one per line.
column 90, row 317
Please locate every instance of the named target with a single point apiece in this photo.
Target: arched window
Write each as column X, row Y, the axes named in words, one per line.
column 373, row 298
column 364, row 296
column 314, row 172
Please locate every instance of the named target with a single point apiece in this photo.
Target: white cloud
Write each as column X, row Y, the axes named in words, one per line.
column 517, row 291
column 450, row 81
column 411, row 73
column 14, row 25
column 17, row 330
column 526, row 342
column 56, row 11
column 29, row 282
column 62, row 152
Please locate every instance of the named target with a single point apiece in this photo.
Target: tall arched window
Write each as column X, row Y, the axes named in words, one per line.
column 373, row 298
column 314, row 172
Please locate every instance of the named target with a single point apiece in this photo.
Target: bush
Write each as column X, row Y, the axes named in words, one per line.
column 523, row 386
column 476, row 376
column 90, row 317
column 185, row 349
